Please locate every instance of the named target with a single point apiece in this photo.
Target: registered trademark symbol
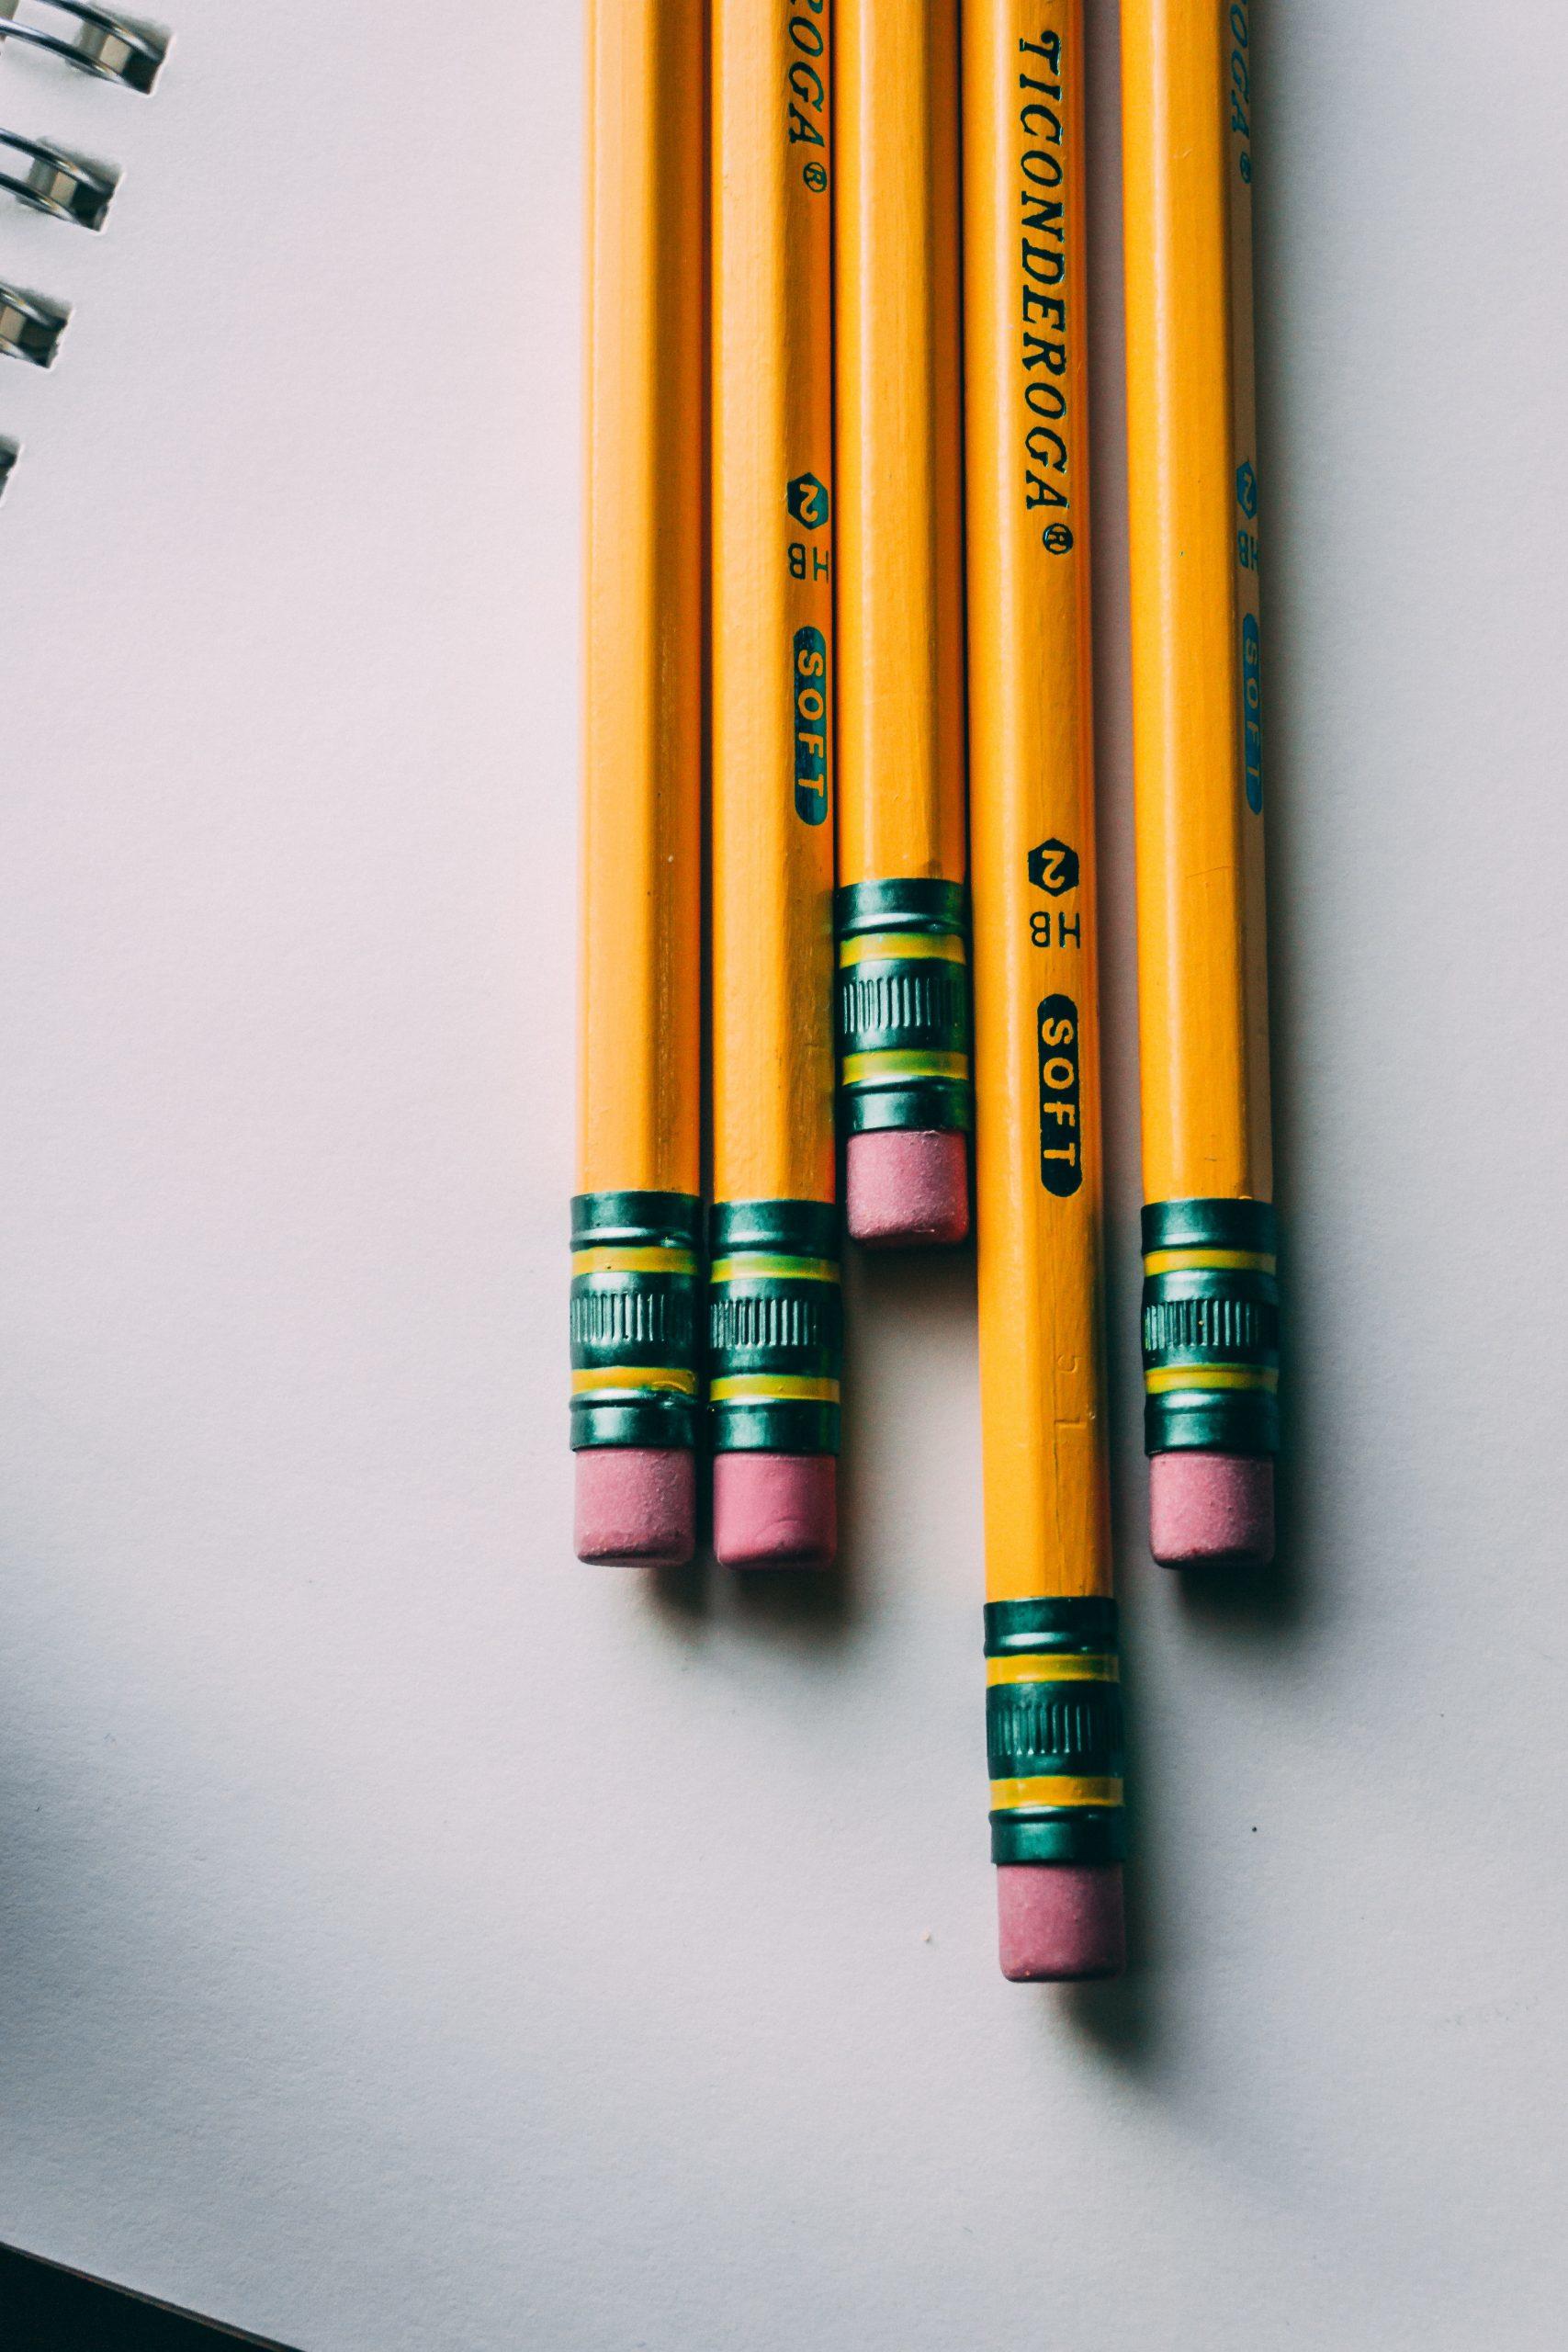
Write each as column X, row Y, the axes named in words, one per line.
column 816, row 176
column 1057, row 539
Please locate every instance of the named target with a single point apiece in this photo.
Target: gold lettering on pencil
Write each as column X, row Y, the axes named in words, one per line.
column 1044, row 291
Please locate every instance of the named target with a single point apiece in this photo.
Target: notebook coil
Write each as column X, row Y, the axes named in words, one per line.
column 112, row 48
column 49, row 179
column 65, row 187
column 31, row 328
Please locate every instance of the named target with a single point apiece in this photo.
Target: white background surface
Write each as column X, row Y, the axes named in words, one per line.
column 412, row 1940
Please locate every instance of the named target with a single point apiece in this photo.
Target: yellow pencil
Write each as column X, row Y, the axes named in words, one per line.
column 903, row 978
column 1052, row 1700
column 636, row 1219
column 1210, row 1304
column 775, row 1345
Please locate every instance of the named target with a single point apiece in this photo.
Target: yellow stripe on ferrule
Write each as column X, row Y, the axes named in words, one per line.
column 902, row 948
column 1182, row 1262
column 772, row 1388
column 627, row 1378
column 861, row 1068
column 1170, row 1378
column 1053, row 1788
column 757, row 1265
column 1058, row 1667
column 611, row 1260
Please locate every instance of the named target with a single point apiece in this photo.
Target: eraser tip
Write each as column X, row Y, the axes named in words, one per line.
column 906, row 1188
column 1211, row 1510
column 636, row 1506
column 1060, row 1922
column 775, row 1511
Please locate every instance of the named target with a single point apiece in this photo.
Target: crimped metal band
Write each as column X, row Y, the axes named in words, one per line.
column 1210, row 1326
column 775, row 1336
column 1054, row 1731
column 904, row 1005
column 636, row 1279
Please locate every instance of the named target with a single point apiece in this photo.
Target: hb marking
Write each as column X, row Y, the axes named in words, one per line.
column 808, row 502
column 1054, row 869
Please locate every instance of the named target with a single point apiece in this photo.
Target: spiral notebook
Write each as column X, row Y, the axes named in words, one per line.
column 289, row 731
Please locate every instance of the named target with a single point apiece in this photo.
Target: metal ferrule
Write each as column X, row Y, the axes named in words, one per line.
column 904, row 1005
column 1054, row 1731
column 776, row 1338
column 635, row 1277
column 1211, row 1328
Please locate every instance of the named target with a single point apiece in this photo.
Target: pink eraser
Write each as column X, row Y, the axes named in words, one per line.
column 775, row 1511
column 907, row 1187
column 1211, row 1506
column 636, row 1506
column 1060, row 1921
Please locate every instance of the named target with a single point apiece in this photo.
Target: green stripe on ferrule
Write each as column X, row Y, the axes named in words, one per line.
column 1210, row 1330
column 1058, row 1727
column 637, row 1220
column 1079, row 1834
column 900, row 1011
column 919, row 902
column 775, row 1334
column 1049, row 1626
column 632, row 1322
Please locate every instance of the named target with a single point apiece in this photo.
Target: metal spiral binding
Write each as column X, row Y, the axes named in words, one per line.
column 110, row 47
column 31, row 328
column 65, row 187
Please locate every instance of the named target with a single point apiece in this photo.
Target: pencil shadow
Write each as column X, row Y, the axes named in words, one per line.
column 893, row 1298
column 1260, row 1607
column 682, row 1594
column 1124, row 2020
column 812, row 1604
column 819, row 1605
column 904, row 1308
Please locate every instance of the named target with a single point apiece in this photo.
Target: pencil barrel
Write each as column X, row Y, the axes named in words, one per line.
column 1031, row 802
column 774, row 670
column 1053, row 1701
column 636, row 1292
column 903, row 966
column 1211, row 1310
column 777, row 1328
column 1054, row 1731
column 636, row 1224
column 1196, row 638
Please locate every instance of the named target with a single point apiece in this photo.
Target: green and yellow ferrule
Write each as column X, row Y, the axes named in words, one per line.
column 636, row 1274
column 1054, row 1731
column 1211, row 1328
column 775, row 1337
column 904, row 1005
